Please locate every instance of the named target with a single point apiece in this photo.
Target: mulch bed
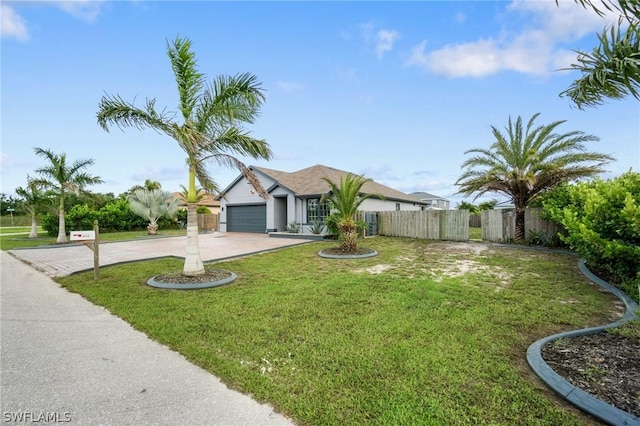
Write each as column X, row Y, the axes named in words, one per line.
column 336, row 251
column 210, row 275
column 605, row 365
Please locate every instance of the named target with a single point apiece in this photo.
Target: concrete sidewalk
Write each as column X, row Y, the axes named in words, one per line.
column 65, row 259
column 64, row 359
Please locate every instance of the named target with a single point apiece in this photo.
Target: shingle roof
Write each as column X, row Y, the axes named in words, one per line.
column 426, row 196
column 309, row 182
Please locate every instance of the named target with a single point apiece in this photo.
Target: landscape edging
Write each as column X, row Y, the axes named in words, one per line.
column 573, row 394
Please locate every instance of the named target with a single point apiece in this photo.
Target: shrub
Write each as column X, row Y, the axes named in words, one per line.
column 80, row 217
column 293, row 227
column 602, row 220
column 331, row 223
column 117, row 216
column 316, row 227
column 49, row 224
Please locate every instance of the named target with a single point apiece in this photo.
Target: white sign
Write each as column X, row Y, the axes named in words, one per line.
column 82, row 235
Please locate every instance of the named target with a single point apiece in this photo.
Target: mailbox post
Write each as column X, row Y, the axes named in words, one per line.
column 92, row 240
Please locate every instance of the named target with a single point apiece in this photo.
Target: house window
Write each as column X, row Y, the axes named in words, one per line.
column 316, row 210
column 397, row 206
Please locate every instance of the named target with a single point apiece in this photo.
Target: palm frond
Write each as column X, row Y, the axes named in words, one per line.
column 229, row 101
column 611, row 70
column 190, row 82
column 113, row 110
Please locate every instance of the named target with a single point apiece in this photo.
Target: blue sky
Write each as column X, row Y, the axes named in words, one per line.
column 397, row 91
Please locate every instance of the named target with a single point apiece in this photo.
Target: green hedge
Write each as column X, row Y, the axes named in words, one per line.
column 602, row 220
column 116, row 216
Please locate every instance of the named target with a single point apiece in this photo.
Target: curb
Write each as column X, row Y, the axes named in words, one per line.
column 584, row 401
column 157, row 284
column 321, row 253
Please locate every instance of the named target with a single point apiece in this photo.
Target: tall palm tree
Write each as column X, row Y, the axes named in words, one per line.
column 526, row 162
column 345, row 198
column 63, row 178
column 210, row 129
column 33, row 198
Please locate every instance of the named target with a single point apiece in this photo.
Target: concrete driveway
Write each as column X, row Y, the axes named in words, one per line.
column 67, row 361
column 66, row 259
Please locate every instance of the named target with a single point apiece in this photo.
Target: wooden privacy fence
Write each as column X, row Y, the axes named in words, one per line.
column 207, row 222
column 452, row 225
column 500, row 225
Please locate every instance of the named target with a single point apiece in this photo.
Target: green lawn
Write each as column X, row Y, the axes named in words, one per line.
column 424, row 333
column 475, row 233
column 9, row 241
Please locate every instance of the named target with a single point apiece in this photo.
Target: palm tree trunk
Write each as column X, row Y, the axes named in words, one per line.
column 34, row 226
column 348, row 236
column 62, row 232
column 192, row 261
column 519, row 231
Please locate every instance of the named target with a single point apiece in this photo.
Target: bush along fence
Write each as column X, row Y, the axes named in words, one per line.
column 453, row 225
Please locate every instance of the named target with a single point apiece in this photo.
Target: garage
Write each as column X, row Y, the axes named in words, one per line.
column 247, row 218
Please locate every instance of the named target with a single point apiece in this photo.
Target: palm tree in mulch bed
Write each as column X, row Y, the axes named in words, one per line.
column 208, row 126
column 345, row 198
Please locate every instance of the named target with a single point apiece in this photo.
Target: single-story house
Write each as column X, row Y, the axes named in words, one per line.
column 295, row 197
column 434, row 201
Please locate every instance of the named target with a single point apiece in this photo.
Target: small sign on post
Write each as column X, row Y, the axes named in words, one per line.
column 92, row 238
column 82, row 235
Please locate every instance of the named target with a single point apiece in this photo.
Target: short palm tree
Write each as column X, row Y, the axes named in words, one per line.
column 33, row 198
column 527, row 162
column 152, row 205
column 345, row 198
column 63, row 178
column 210, row 129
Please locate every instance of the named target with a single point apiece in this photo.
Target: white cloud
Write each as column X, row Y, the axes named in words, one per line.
column 12, row 24
column 289, row 87
column 533, row 48
column 384, row 41
column 418, row 57
column 4, row 160
column 470, row 59
column 86, row 10
column 381, row 39
column 379, row 173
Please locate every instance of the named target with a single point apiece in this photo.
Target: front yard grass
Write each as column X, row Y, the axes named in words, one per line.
column 424, row 333
column 9, row 241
